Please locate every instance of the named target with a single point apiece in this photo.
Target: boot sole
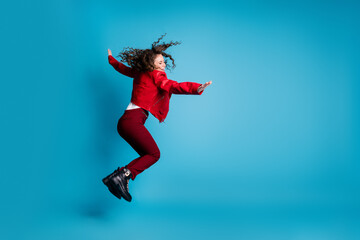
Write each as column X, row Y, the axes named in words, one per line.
column 122, row 188
column 111, row 187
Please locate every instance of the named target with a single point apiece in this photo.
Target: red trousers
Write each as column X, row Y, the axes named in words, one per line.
column 131, row 128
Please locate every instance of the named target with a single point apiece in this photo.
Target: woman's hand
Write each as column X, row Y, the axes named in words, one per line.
column 203, row 86
column 109, row 52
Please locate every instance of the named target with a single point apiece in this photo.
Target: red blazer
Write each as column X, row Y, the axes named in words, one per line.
column 152, row 90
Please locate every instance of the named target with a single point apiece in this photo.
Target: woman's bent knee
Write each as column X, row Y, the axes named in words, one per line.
column 156, row 155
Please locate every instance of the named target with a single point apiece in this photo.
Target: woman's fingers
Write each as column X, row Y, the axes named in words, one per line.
column 207, row 84
column 109, row 52
column 203, row 86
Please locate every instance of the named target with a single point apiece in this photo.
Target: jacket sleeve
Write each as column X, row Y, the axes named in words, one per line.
column 171, row 86
column 121, row 68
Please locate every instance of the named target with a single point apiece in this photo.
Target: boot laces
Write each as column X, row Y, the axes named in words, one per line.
column 127, row 185
column 127, row 174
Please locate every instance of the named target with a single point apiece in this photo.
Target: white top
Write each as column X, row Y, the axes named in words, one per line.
column 132, row 106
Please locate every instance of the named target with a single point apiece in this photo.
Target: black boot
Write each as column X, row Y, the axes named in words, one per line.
column 110, row 184
column 121, row 181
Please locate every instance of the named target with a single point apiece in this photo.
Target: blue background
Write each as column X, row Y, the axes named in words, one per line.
column 269, row 151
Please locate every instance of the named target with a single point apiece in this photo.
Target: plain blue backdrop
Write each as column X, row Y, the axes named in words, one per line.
column 269, row 151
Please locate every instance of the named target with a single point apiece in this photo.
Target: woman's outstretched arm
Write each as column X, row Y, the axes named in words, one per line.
column 121, row 68
column 179, row 88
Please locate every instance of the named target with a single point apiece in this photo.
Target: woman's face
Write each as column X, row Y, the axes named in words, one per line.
column 159, row 63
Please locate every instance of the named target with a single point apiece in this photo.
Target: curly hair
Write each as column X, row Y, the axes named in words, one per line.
column 143, row 59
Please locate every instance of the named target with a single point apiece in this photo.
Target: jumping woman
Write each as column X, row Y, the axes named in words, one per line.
column 151, row 93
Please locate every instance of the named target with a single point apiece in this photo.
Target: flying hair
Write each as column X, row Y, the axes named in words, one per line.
column 142, row 60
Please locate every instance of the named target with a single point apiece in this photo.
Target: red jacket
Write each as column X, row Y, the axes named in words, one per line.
column 152, row 90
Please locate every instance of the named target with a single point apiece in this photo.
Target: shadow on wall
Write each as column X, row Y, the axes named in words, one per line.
column 106, row 103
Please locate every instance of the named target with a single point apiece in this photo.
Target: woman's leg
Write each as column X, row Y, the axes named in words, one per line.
column 131, row 128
